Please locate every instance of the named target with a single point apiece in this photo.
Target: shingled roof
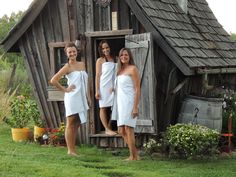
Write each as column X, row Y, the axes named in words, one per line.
column 197, row 37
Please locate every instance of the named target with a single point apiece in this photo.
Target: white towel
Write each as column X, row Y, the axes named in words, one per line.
column 76, row 101
column 124, row 101
column 106, row 83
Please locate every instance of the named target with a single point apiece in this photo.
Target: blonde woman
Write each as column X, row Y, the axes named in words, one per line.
column 127, row 92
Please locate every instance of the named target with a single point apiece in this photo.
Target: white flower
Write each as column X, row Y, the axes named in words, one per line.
column 224, row 104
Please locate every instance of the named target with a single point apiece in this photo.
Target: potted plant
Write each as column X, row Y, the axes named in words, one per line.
column 39, row 123
column 19, row 118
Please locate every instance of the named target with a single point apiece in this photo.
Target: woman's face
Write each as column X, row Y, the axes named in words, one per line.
column 105, row 49
column 124, row 57
column 71, row 52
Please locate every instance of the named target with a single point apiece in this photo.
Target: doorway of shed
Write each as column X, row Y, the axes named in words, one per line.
column 116, row 43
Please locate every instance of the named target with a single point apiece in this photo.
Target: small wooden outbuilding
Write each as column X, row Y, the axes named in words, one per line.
column 174, row 42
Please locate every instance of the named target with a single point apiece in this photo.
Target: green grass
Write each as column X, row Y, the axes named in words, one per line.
column 30, row 160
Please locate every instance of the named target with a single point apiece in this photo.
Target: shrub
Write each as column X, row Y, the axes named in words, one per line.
column 23, row 110
column 191, row 141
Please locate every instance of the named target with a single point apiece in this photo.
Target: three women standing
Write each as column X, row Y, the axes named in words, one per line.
column 127, row 90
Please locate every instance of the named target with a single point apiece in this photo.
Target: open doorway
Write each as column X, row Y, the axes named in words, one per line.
column 116, row 43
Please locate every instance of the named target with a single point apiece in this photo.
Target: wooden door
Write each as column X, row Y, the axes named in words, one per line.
column 142, row 49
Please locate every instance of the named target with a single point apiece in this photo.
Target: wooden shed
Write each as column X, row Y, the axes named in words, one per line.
column 174, row 43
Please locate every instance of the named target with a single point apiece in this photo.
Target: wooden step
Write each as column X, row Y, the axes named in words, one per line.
column 107, row 141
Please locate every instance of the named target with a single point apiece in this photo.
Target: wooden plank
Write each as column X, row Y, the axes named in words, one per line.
column 89, row 20
column 47, row 24
column 63, row 11
column 109, row 33
column 123, row 16
column 42, row 47
column 91, row 74
column 55, row 95
column 55, row 18
column 80, row 16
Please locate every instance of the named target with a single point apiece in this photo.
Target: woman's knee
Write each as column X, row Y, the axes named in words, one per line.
column 121, row 131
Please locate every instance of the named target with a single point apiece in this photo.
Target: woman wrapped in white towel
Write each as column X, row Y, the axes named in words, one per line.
column 127, row 94
column 76, row 95
column 104, row 82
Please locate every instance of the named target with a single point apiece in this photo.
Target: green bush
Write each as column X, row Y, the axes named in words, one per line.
column 191, row 141
column 23, row 111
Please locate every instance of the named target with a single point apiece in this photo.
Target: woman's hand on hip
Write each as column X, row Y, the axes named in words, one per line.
column 97, row 95
column 70, row 88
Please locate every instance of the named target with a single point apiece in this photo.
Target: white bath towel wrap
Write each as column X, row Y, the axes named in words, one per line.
column 76, row 101
column 106, row 83
column 124, row 101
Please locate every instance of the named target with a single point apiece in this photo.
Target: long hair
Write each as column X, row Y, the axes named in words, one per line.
column 101, row 54
column 131, row 58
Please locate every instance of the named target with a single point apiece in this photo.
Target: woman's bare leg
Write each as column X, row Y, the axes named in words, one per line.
column 131, row 143
column 70, row 135
column 105, row 122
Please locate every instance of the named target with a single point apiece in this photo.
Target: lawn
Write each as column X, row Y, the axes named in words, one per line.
column 31, row 160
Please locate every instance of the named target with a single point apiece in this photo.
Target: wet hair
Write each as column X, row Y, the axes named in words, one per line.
column 101, row 54
column 131, row 58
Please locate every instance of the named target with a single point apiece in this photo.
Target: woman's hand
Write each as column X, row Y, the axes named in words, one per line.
column 70, row 88
column 97, row 95
column 135, row 113
column 111, row 90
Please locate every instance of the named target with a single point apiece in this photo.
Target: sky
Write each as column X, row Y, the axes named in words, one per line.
column 224, row 10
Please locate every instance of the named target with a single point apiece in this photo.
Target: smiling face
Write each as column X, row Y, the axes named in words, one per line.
column 105, row 49
column 124, row 57
column 71, row 53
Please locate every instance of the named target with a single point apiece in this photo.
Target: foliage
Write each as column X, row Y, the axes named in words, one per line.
column 23, row 110
column 6, row 23
column 57, row 135
column 30, row 159
column 233, row 36
column 153, row 146
column 5, row 108
column 191, row 141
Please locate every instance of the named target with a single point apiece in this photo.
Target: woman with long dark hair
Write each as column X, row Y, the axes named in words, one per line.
column 104, row 81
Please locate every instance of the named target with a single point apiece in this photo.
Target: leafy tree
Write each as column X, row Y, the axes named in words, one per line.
column 233, row 36
column 8, row 60
column 6, row 23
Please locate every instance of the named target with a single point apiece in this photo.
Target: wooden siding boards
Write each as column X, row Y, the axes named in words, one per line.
column 63, row 12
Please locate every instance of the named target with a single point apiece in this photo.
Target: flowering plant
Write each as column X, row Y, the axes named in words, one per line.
column 23, row 110
column 57, row 135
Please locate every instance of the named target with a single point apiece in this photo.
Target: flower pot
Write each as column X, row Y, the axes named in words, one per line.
column 20, row 134
column 38, row 132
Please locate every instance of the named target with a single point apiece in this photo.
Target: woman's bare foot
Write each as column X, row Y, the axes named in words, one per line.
column 110, row 132
column 74, row 154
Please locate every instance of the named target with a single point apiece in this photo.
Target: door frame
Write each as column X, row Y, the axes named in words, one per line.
column 91, row 53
